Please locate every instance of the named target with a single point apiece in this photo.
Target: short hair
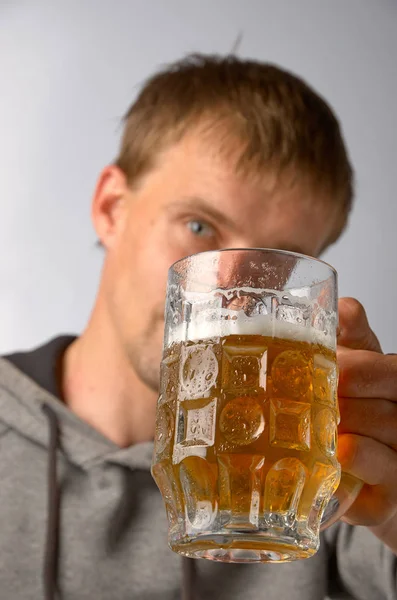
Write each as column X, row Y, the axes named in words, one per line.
column 272, row 118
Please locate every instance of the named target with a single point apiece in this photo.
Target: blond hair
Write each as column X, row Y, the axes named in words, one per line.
column 279, row 121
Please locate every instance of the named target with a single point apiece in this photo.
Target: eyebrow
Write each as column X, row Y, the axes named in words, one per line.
column 204, row 206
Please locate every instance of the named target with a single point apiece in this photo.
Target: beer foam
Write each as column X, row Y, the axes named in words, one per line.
column 219, row 322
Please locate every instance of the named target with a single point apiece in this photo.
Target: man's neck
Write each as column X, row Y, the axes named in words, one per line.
column 100, row 386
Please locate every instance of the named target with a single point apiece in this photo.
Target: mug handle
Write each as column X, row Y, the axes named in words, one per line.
column 346, row 493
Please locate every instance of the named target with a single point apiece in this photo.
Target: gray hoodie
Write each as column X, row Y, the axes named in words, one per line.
column 82, row 519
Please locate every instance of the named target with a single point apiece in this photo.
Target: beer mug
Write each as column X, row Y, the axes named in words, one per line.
column 245, row 451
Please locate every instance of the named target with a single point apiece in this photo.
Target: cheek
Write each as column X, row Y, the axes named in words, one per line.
column 313, row 227
column 150, row 264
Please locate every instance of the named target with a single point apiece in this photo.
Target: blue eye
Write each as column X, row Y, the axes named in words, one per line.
column 200, row 228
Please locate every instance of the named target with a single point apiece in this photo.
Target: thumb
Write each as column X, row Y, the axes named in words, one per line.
column 354, row 329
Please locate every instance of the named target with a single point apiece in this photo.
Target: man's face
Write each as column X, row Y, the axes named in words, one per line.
column 193, row 201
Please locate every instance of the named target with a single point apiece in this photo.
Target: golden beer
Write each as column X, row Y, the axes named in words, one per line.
column 246, row 443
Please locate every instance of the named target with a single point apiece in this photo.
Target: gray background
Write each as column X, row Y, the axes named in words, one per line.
column 69, row 69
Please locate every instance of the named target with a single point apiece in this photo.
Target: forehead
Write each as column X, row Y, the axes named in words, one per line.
column 274, row 205
column 214, row 158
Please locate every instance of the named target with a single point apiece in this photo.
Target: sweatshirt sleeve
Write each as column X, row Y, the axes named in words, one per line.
column 360, row 566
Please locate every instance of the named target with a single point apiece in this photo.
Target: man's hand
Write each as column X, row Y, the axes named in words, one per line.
column 367, row 445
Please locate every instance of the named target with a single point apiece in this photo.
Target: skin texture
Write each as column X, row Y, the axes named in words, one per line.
column 192, row 201
column 367, row 446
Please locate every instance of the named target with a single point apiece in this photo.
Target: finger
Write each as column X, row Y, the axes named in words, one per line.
column 372, row 507
column 376, row 465
column 354, row 329
column 375, row 418
column 365, row 374
column 369, row 460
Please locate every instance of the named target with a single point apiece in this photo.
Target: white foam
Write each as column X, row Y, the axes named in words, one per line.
column 220, row 322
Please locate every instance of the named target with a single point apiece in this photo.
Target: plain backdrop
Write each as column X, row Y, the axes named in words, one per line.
column 70, row 68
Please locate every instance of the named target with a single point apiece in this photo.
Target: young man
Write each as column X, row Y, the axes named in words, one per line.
column 216, row 153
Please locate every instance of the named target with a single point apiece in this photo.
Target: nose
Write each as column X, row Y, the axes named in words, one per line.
column 254, row 268
column 247, row 268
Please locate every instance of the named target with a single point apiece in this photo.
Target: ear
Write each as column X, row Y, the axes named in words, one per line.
column 108, row 204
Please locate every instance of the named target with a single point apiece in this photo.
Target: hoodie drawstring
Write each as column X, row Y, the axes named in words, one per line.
column 50, row 565
column 188, row 578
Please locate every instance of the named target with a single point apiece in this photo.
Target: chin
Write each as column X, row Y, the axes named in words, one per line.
column 145, row 354
column 152, row 379
column 147, row 367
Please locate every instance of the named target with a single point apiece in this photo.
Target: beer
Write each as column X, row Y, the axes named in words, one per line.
column 246, row 442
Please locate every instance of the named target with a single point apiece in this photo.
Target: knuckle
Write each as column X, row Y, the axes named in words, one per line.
column 354, row 308
column 345, row 370
column 390, row 368
column 383, row 374
column 354, row 378
column 383, row 505
column 391, row 419
column 345, row 411
column 348, row 450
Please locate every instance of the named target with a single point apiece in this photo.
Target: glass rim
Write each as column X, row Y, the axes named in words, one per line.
column 306, row 257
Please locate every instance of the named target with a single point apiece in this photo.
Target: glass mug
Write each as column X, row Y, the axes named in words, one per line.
column 246, row 425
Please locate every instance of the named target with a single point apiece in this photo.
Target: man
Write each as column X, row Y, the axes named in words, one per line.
column 216, row 153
